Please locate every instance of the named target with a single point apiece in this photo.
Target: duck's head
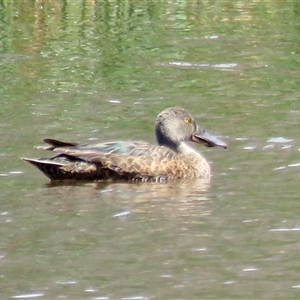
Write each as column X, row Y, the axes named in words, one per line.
column 174, row 125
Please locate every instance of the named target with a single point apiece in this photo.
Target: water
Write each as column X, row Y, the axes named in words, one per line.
column 103, row 71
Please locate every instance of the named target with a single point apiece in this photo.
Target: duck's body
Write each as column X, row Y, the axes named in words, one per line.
column 132, row 160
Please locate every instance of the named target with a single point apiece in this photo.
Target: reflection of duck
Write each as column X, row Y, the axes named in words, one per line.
column 140, row 161
column 178, row 199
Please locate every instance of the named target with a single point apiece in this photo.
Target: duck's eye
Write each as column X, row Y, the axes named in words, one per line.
column 187, row 120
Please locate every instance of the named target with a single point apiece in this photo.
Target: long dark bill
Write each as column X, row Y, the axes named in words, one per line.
column 207, row 139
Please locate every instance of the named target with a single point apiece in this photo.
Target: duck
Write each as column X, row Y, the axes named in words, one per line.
column 171, row 159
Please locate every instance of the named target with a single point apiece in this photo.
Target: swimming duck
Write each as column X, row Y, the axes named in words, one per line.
column 171, row 159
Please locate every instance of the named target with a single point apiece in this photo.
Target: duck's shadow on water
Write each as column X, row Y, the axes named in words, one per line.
column 176, row 197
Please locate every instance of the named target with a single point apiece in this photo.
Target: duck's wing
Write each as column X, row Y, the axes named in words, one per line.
column 123, row 148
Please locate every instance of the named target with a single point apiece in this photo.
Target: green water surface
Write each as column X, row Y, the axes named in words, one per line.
column 90, row 71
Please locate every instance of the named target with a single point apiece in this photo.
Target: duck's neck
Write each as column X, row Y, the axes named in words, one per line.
column 180, row 148
column 185, row 149
column 163, row 141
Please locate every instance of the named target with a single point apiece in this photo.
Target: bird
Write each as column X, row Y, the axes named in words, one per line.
column 171, row 159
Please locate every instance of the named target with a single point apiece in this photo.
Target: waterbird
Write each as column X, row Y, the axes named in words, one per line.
column 173, row 157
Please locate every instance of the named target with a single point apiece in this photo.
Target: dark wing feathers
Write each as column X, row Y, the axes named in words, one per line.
column 126, row 148
column 57, row 143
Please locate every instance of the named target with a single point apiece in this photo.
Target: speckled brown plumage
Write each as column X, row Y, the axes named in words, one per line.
column 132, row 160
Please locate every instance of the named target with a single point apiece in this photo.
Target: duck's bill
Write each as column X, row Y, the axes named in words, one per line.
column 207, row 139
